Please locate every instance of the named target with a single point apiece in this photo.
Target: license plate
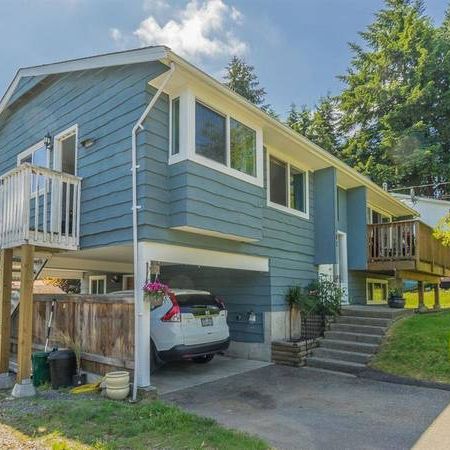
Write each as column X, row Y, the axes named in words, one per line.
column 207, row 321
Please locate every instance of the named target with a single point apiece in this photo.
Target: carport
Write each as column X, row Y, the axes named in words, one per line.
column 248, row 275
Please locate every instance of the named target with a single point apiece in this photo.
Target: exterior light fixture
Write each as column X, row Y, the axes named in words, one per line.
column 251, row 317
column 88, row 142
column 48, row 141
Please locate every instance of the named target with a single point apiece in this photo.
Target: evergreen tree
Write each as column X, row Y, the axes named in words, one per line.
column 241, row 78
column 386, row 102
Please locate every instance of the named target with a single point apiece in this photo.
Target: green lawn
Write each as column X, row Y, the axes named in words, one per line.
column 417, row 347
column 95, row 423
column 412, row 299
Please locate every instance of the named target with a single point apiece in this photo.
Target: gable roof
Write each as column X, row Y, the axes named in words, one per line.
column 164, row 54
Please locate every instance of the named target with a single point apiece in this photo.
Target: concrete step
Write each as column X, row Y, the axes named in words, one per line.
column 353, row 337
column 364, row 329
column 335, row 365
column 341, row 355
column 348, row 346
column 380, row 312
column 357, row 320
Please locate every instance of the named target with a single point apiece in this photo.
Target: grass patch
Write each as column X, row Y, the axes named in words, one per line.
column 94, row 422
column 417, row 347
column 412, row 299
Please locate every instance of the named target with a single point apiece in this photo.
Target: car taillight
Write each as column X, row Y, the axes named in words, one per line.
column 174, row 313
column 220, row 303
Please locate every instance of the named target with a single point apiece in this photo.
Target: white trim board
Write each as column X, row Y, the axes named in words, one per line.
column 154, row 251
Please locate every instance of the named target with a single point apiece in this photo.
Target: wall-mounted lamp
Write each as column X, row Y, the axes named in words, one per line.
column 48, row 141
column 251, row 317
column 88, row 142
column 115, row 278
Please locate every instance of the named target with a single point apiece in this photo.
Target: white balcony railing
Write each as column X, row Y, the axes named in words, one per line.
column 41, row 207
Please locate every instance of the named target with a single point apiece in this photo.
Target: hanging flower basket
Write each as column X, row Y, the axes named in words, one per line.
column 155, row 292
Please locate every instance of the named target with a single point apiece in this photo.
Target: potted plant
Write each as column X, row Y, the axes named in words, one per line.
column 75, row 345
column 396, row 299
column 155, row 292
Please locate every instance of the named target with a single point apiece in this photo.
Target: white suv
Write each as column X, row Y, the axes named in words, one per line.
column 188, row 324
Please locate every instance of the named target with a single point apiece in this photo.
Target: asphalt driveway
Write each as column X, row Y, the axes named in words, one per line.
column 309, row 409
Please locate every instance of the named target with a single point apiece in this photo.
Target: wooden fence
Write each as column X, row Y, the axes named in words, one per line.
column 103, row 323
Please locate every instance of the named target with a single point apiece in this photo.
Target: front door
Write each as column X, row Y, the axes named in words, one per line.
column 342, row 266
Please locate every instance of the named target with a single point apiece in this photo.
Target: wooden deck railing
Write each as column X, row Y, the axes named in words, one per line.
column 39, row 206
column 409, row 240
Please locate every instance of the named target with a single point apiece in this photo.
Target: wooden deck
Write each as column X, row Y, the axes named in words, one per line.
column 407, row 246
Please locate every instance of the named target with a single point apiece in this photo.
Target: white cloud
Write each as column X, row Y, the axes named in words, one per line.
column 202, row 29
column 116, row 34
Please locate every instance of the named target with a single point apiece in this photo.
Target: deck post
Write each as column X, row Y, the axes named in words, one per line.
column 23, row 387
column 421, row 290
column 6, row 256
column 437, row 301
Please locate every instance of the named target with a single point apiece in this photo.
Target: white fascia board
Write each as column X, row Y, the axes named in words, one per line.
column 141, row 55
column 175, row 254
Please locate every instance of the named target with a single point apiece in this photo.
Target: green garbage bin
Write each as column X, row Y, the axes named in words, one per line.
column 41, row 371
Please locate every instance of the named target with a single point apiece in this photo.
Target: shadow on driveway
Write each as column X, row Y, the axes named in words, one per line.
column 309, row 409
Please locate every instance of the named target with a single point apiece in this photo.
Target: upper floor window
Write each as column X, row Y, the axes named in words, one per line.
column 38, row 155
column 210, row 133
column 288, row 187
column 242, row 147
column 176, row 126
column 215, row 134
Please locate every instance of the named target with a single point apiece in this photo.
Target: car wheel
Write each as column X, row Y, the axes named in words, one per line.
column 154, row 361
column 203, row 359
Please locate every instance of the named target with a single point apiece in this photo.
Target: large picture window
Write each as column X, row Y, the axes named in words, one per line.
column 210, row 133
column 287, row 186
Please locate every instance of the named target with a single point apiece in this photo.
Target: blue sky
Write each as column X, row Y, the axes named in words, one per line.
column 297, row 46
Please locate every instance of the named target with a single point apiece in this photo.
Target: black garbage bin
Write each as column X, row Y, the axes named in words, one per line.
column 62, row 367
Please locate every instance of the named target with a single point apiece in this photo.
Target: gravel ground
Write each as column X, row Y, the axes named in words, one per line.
column 13, row 440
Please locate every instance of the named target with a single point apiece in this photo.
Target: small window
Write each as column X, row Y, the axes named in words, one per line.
column 97, row 284
column 278, row 182
column 287, row 185
column 242, row 148
column 210, row 134
column 38, row 156
column 175, row 126
column 298, row 197
column 377, row 291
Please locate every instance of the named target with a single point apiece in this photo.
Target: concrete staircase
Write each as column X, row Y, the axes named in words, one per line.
column 353, row 338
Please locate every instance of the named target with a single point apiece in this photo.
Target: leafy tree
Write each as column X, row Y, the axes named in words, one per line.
column 241, row 78
column 320, row 126
column 388, row 104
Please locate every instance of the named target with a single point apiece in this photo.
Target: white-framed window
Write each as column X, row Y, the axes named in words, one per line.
column 212, row 134
column 287, row 187
column 65, row 150
column 377, row 290
column 37, row 155
column 97, row 284
column 128, row 282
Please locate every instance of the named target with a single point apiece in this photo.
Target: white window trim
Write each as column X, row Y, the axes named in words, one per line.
column 57, row 160
column 124, row 281
column 187, row 138
column 29, row 151
column 97, row 277
column 287, row 209
column 379, row 281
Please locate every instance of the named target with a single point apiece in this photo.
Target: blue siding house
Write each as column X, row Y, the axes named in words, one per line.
column 124, row 159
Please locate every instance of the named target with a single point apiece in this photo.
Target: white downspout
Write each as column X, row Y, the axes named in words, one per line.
column 138, row 303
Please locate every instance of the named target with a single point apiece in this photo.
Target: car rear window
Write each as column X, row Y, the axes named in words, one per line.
column 192, row 300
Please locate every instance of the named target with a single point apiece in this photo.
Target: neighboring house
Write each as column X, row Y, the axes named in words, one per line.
column 431, row 210
column 221, row 195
